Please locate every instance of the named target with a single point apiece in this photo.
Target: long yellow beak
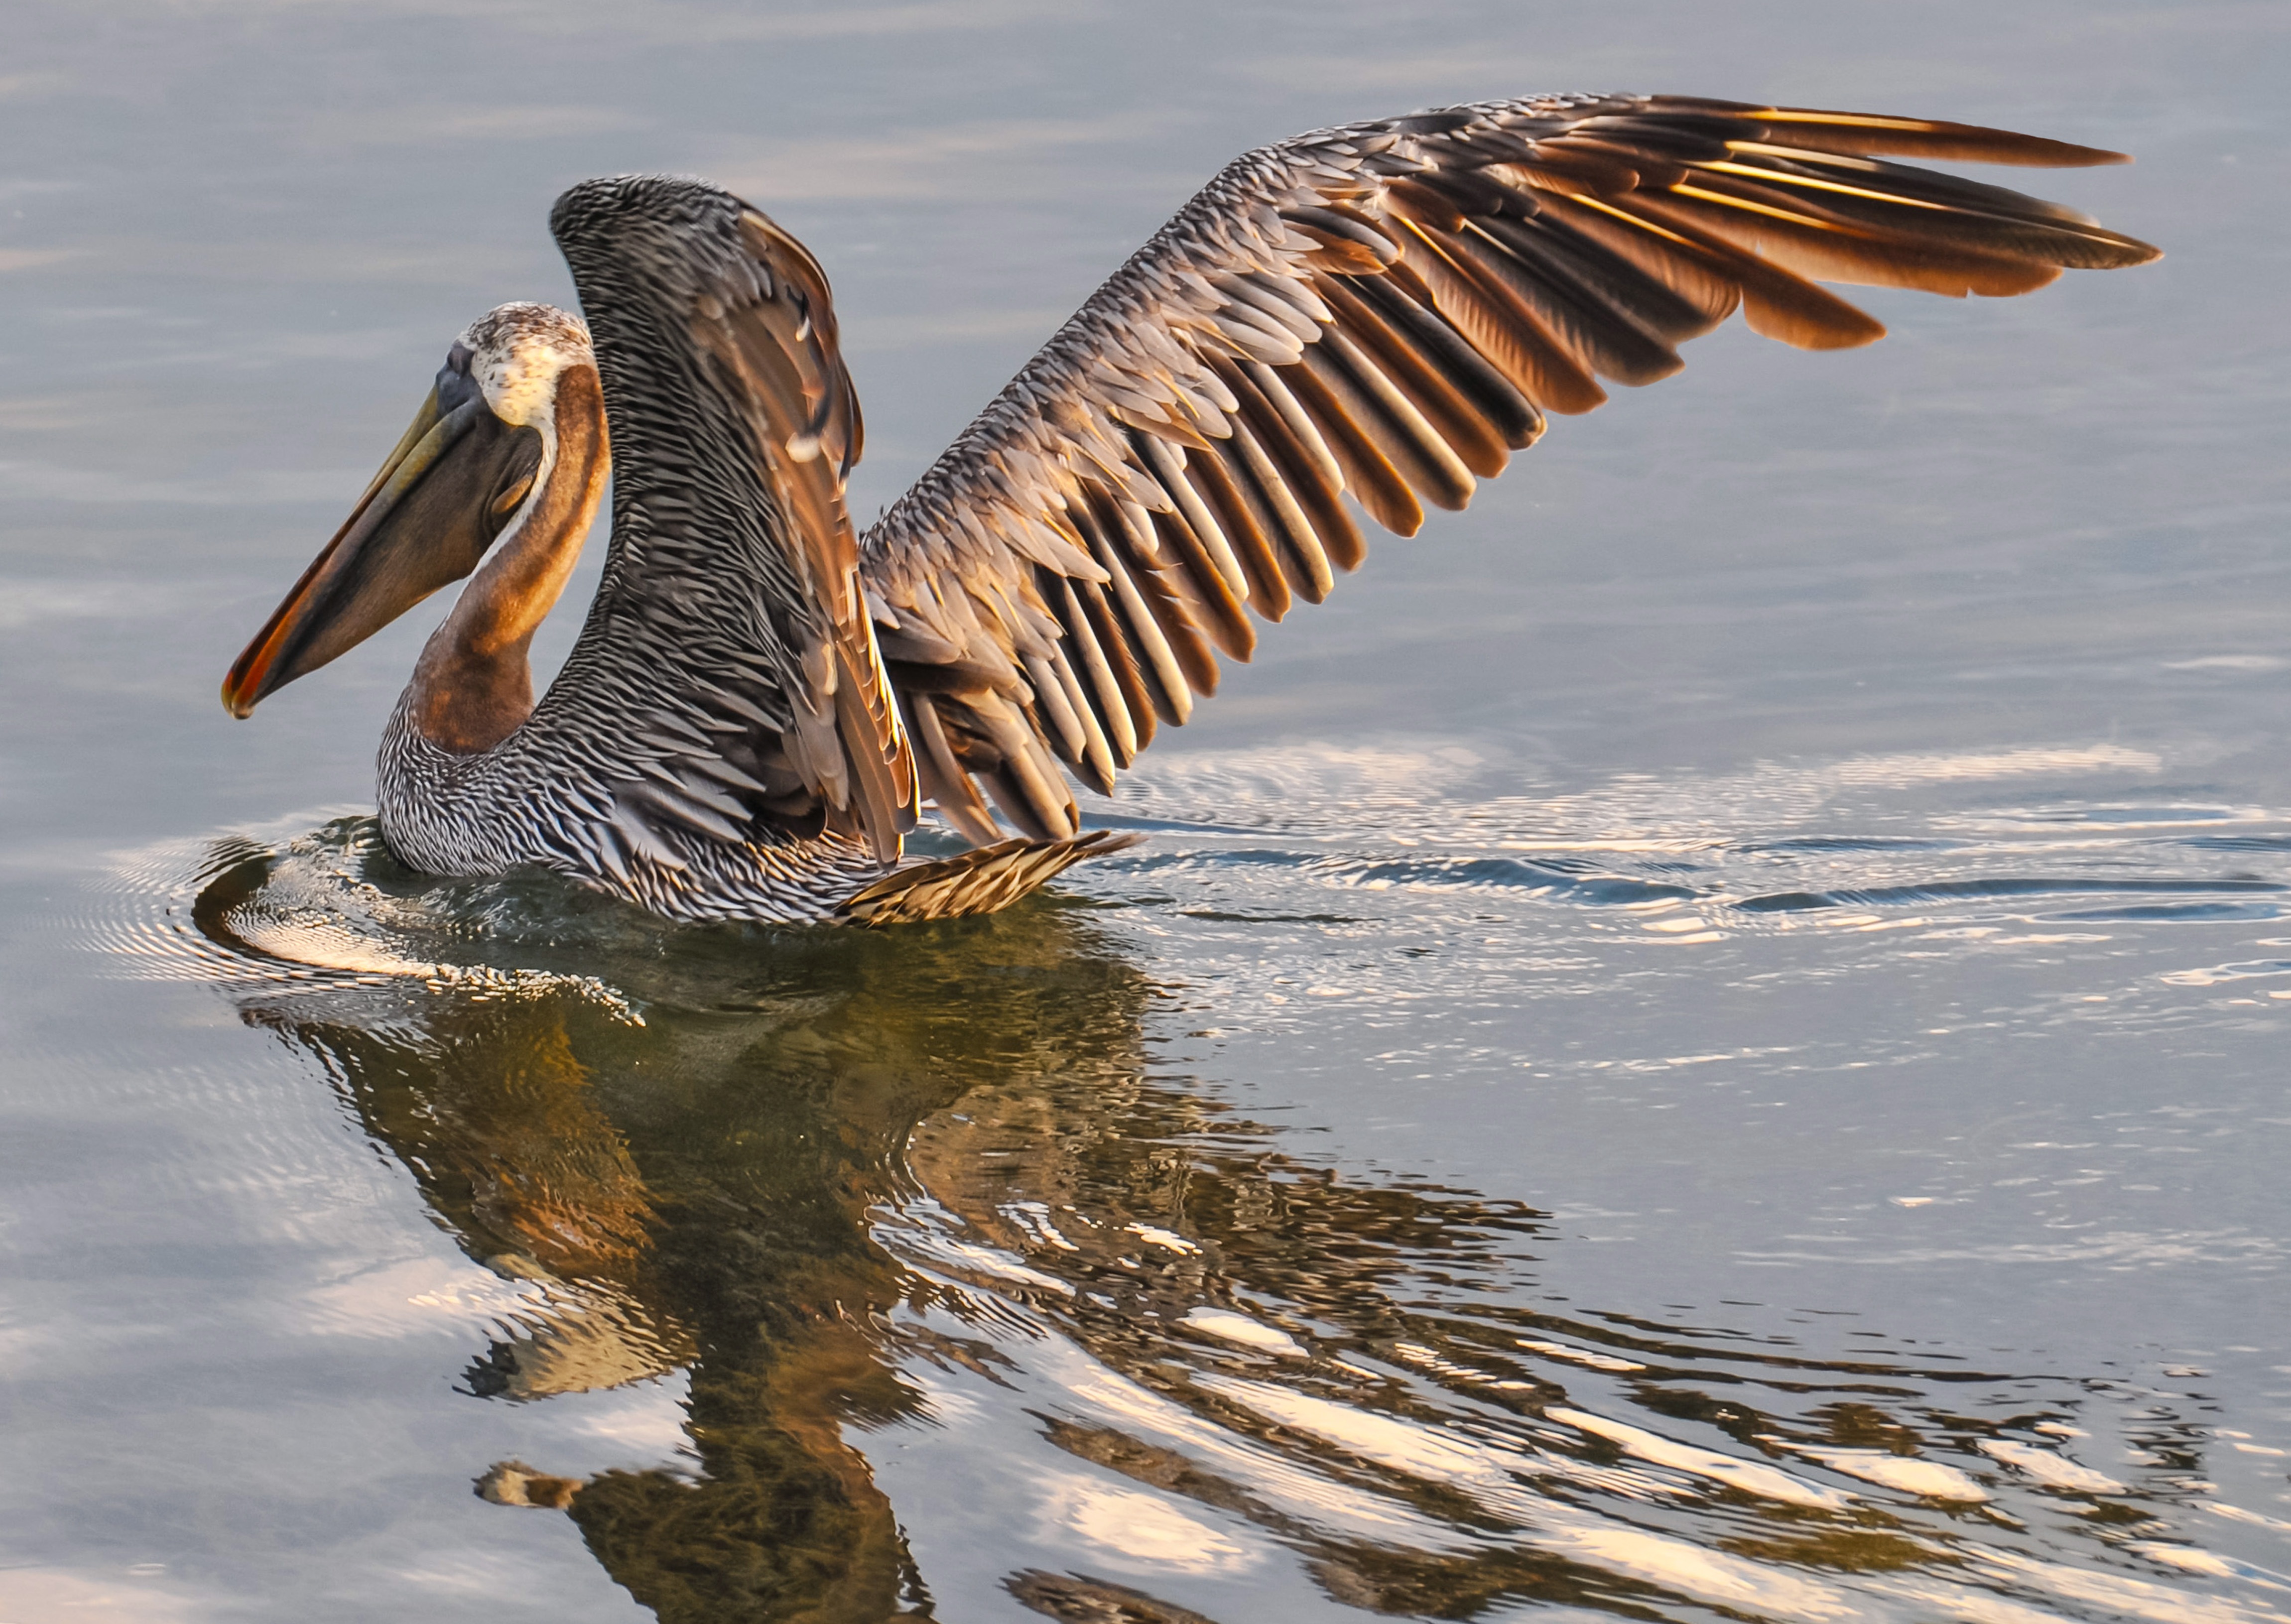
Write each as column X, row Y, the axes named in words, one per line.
column 328, row 611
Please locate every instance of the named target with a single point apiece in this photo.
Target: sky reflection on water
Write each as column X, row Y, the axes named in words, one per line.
column 953, row 1287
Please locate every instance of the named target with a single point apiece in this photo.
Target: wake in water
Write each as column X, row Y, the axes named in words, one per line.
column 965, row 1291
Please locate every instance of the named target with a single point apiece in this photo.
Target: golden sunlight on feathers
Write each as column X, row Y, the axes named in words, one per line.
column 1385, row 312
column 1365, row 321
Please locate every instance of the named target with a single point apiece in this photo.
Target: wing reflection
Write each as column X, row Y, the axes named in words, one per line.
column 859, row 1186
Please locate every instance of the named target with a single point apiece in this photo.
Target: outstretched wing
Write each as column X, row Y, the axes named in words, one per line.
column 1383, row 311
column 743, row 686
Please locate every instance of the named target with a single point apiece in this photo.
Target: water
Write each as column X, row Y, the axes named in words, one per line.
column 1703, row 1041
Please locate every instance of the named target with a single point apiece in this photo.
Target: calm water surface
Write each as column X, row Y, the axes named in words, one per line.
column 1707, row 1040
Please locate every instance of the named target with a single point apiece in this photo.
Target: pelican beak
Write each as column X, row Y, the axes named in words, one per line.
column 424, row 522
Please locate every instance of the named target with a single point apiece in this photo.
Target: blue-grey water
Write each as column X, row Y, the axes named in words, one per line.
column 1707, row 1040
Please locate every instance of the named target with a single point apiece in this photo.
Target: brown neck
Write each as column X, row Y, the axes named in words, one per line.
column 474, row 686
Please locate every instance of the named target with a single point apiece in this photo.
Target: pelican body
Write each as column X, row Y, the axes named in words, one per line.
column 1358, row 321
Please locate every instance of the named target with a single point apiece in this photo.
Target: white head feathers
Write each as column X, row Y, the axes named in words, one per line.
column 517, row 353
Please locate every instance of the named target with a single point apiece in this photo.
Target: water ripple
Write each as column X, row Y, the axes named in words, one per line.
column 941, row 1210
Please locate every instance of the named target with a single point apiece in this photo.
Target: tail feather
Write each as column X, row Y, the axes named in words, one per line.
column 979, row 881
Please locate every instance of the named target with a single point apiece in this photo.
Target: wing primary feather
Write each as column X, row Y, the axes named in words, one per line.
column 1923, row 232
column 1659, row 255
column 1213, row 481
column 1594, row 339
column 1100, row 686
column 1875, row 258
column 1503, row 328
column 1315, row 474
column 1925, row 249
column 1159, row 677
column 1201, row 586
column 1012, row 792
column 1052, row 705
column 1470, row 437
column 1862, row 132
column 950, row 787
column 1412, row 446
column 1406, row 303
column 1610, row 286
column 1105, row 624
column 1373, row 482
column 1320, row 531
column 1055, row 684
column 1776, row 303
column 1854, row 182
column 1168, row 465
column 1164, row 678
column 1167, row 594
column 1298, row 550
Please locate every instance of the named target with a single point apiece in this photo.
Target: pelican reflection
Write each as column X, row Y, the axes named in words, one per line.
column 858, row 1187
column 696, row 1191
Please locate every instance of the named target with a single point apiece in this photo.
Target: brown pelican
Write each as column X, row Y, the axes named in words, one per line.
column 759, row 701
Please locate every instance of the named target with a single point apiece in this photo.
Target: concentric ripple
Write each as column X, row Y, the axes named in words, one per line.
column 328, row 908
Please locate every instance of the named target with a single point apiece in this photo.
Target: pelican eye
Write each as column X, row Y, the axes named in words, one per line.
column 455, row 386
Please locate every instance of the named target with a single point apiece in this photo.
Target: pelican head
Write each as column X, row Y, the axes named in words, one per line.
column 478, row 463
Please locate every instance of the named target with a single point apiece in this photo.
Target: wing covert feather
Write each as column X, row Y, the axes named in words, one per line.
column 1382, row 311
